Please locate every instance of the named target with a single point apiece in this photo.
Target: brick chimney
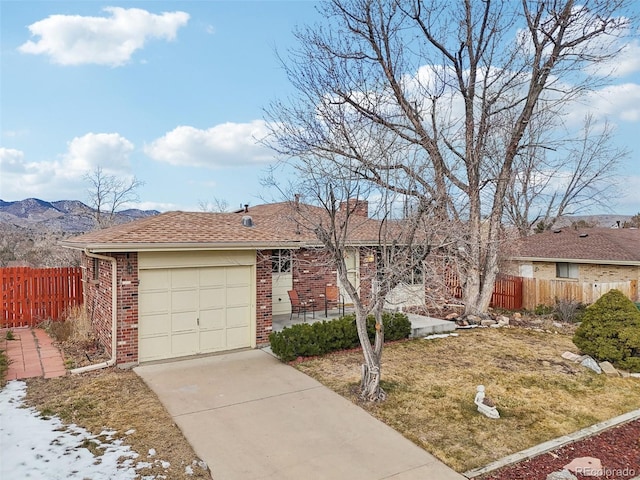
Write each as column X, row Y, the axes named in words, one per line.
column 356, row 207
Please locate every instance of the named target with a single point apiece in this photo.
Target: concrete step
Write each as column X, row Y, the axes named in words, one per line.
column 423, row 326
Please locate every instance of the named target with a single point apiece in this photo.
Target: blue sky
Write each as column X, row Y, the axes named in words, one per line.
column 173, row 93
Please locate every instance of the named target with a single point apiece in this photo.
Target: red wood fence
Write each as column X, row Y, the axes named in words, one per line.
column 31, row 295
column 507, row 292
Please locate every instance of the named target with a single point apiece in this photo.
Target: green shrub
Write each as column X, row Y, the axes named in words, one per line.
column 610, row 330
column 305, row 340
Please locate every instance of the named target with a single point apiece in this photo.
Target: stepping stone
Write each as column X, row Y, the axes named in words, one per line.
column 587, row 466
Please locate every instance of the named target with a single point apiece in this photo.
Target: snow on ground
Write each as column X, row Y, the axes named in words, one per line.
column 39, row 448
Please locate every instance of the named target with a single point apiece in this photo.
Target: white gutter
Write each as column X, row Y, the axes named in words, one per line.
column 114, row 314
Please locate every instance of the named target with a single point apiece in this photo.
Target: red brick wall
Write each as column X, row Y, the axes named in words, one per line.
column 313, row 270
column 98, row 303
column 127, row 346
column 98, row 299
column 264, row 292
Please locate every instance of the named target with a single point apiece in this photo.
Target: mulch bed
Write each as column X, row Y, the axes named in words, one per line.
column 617, row 448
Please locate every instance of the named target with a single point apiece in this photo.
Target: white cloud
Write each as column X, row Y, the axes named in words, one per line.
column 616, row 102
column 63, row 177
column 225, row 145
column 111, row 40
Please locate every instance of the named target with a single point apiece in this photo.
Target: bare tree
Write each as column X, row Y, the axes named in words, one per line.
column 563, row 176
column 109, row 193
column 454, row 84
column 402, row 248
column 215, row 205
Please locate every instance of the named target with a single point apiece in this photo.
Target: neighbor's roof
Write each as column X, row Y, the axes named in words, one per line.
column 619, row 246
column 277, row 225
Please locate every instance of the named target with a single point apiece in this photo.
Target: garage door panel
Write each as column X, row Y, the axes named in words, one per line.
column 155, row 324
column 212, row 297
column 154, row 348
column 156, row 280
column 183, row 322
column 154, row 301
column 212, row 319
column 238, row 295
column 238, row 275
column 238, row 316
column 184, row 278
column 210, row 277
column 237, row 337
column 184, row 343
column 184, row 300
column 213, row 341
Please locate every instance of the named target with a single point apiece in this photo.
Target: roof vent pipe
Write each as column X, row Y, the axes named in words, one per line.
column 247, row 221
column 246, row 208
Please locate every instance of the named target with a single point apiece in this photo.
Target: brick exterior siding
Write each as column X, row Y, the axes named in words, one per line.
column 587, row 272
column 264, row 292
column 99, row 307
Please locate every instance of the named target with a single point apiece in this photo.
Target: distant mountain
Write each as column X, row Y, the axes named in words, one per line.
column 64, row 216
column 30, row 230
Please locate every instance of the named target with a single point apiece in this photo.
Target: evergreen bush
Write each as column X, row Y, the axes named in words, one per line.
column 306, row 340
column 610, row 330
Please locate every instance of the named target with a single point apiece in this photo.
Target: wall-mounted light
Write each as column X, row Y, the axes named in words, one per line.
column 129, row 268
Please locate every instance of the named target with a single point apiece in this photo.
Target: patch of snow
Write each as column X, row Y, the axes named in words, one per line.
column 188, row 470
column 34, row 446
column 152, row 452
column 130, row 432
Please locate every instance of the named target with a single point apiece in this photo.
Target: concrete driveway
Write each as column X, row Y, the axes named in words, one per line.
column 249, row 416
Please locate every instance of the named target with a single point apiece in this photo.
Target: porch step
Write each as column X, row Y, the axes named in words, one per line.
column 423, row 326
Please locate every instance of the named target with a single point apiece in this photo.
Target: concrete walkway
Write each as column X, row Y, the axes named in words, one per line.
column 31, row 354
column 249, row 416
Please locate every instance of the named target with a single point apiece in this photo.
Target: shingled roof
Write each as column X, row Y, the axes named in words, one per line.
column 590, row 245
column 277, row 225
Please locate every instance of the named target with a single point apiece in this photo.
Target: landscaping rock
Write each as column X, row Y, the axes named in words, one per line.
column 592, row 364
column 557, row 324
column 473, row 319
column 562, row 475
column 502, row 320
column 571, row 356
column 587, row 466
column 487, row 322
column 609, row 369
column 517, row 316
column 451, row 316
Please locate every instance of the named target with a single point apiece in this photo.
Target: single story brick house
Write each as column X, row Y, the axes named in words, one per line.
column 594, row 256
column 188, row 283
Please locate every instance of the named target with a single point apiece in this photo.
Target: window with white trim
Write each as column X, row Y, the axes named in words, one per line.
column 281, row 261
column 566, row 270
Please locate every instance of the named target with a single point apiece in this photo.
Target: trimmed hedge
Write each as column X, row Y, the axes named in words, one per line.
column 310, row 339
column 610, row 330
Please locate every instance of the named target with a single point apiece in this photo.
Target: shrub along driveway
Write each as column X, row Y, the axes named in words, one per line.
column 250, row 416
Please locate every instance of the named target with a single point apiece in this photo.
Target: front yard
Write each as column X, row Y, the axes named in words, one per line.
column 431, row 386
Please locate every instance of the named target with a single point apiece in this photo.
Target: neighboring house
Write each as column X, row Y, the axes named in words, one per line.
column 597, row 258
column 189, row 283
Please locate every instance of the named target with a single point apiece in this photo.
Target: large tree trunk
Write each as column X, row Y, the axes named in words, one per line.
column 370, row 389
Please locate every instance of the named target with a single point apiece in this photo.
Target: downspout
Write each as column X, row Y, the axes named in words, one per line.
column 114, row 314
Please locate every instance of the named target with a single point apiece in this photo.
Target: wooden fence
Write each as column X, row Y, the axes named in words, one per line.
column 31, row 295
column 547, row 292
column 507, row 292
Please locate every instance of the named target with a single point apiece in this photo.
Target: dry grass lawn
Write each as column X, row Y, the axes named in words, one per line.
column 118, row 400
column 431, row 385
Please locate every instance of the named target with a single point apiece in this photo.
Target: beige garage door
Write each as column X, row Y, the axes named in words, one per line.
column 189, row 311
